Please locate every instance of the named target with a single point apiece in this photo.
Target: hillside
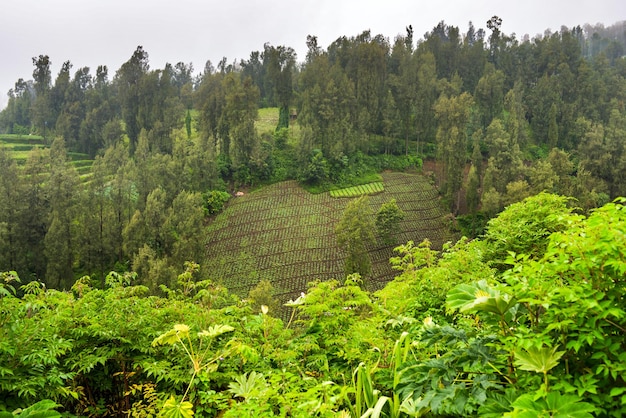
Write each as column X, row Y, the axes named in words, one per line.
column 284, row 234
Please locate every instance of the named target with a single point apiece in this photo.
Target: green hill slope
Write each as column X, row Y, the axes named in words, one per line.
column 286, row 235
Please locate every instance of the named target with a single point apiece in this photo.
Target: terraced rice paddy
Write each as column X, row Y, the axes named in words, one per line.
column 284, row 234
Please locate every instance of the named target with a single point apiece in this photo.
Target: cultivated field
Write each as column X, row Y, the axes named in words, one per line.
column 20, row 146
column 284, row 234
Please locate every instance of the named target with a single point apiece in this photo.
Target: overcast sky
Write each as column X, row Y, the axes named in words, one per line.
column 107, row 32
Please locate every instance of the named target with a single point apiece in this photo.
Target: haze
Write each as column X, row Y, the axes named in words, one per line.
column 107, row 33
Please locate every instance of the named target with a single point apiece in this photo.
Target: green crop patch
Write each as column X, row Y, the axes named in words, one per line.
column 356, row 191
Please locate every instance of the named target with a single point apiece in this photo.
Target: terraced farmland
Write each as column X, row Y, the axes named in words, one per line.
column 284, row 234
column 20, row 146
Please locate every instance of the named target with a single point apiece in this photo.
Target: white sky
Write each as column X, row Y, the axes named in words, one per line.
column 107, row 32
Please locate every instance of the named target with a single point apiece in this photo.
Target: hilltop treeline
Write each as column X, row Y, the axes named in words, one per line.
column 503, row 118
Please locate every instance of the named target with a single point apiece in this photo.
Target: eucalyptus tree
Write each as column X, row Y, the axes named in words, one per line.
column 452, row 143
column 239, row 141
column 505, row 165
column 74, row 109
column 280, row 63
column 489, row 94
column 444, row 41
column 42, row 77
column 426, row 95
column 11, row 208
column 34, row 218
column 210, row 100
column 327, row 104
column 403, row 84
column 58, row 91
column 16, row 117
column 128, row 82
column 96, row 240
column 60, row 240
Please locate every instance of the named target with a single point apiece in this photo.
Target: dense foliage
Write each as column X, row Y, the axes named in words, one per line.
column 498, row 119
column 543, row 336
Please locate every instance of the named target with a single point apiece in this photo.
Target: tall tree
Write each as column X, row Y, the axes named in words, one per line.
column 42, row 77
column 505, row 158
column 240, row 141
column 452, row 143
column 58, row 91
column 62, row 190
column 16, row 117
column 496, row 40
column 11, row 206
column 128, row 79
column 34, row 219
column 96, row 236
column 403, row 82
column 426, row 95
column 183, row 225
column 280, row 63
column 489, row 94
column 355, row 232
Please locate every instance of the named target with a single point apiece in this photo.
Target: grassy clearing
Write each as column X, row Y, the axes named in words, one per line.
column 267, row 120
column 286, row 235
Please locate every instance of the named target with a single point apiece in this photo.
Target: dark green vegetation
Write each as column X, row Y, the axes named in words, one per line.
column 541, row 335
column 286, row 235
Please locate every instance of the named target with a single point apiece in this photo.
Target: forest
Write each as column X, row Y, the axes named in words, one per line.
column 506, row 298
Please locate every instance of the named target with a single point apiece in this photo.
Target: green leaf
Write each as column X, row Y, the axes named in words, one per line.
column 174, row 409
column 42, row 409
column 478, row 297
column 539, row 360
column 617, row 391
column 568, row 405
column 216, row 330
column 172, row 336
column 376, row 411
column 248, row 386
column 554, row 405
column 497, row 404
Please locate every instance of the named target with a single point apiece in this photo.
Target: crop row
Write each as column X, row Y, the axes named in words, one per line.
column 275, row 229
column 281, row 213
